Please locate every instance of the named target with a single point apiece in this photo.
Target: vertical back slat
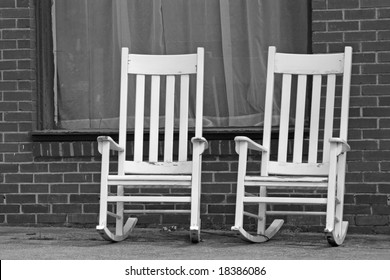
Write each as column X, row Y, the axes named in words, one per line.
column 284, row 118
column 199, row 92
column 315, row 118
column 329, row 112
column 269, row 99
column 183, row 132
column 139, row 118
column 154, row 119
column 169, row 118
column 299, row 119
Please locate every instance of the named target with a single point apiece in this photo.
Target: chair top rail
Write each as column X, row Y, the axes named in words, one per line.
column 309, row 64
column 162, row 65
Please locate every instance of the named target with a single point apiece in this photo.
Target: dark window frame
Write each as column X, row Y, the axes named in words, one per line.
column 46, row 129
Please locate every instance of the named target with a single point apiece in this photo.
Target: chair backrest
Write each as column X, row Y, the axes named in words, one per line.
column 309, row 101
column 160, row 78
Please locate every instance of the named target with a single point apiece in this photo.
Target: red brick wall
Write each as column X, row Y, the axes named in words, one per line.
column 57, row 182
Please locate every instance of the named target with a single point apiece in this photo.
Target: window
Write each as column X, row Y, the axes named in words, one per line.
column 88, row 35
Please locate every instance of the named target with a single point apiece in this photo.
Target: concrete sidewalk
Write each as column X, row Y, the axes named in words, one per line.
column 54, row 243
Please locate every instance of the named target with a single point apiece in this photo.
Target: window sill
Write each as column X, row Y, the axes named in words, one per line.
column 91, row 135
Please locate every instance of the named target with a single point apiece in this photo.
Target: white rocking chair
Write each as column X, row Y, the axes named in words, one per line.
column 324, row 167
column 152, row 171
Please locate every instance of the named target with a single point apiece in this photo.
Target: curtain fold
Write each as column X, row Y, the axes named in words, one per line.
column 235, row 35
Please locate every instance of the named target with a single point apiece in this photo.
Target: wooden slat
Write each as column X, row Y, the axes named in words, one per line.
column 181, row 167
column 284, row 118
column 315, row 118
column 303, row 63
column 139, row 118
column 329, row 115
column 299, row 119
column 304, row 213
column 162, row 65
column 149, row 199
column 149, row 180
column 152, row 211
column 303, row 169
column 154, row 119
column 183, row 129
column 285, row 200
column 169, row 119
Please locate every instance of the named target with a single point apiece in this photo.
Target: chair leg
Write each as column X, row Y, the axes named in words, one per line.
column 195, row 223
column 337, row 235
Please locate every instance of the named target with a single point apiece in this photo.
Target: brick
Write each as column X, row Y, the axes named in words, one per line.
column 8, row 168
column 372, row 220
column 52, row 198
column 363, row 145
column 34, row 188
column 15, row 13
column 357, row 209
column 9, row 209
column 379, row 177
column 95, row 188
column 16, row 54
column 34, row 167
column 17, row 96
column 7, row 127
column 359, row 36
column 374, row 3
column 35, row 208
column 18, row 116
column 9, row 188
column 66, row 208
column 76, row 177
column 23, row 23
column 48, row 178
column 20, row 198
column 384, row 79
column 84, row 198
column 344, row 26
column 18, row 178
column 376, row 134
column 21, row 219
column 370, row 199
column 51, row 218
column 383, row 35
column 360, row 188
column 223, row 208
column 360, row 14
column 382, row 24
column 363, row 166
column 376, row 90
column 375, row 46
column 9, row 148
column 345, row 4
column 64, row 188
column 17, row 75
column 327, row 15
column 90, row 167
column 8, row 85
column 381, row 210
column 383, row 13
column 63, row 167
column 16, row 137
column 363, row 123
column 328, row 37
column 7, row 44
column 83, row 219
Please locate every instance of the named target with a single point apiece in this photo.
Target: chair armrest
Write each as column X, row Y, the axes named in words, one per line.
column 342, row 145
column 201, row 141
column 106, row 139
column 252, row 145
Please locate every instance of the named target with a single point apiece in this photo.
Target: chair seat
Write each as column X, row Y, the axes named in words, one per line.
column 286, row 181
column 152, row 180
